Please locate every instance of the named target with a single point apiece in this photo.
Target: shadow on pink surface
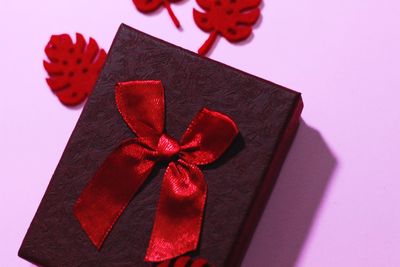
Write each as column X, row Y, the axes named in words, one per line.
column 289, row 215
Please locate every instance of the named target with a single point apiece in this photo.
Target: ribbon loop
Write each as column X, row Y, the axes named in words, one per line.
column 179, row 215
column 141, row 104
column 208, row 136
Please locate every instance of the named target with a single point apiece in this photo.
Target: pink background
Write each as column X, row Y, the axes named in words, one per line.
column 337, row 199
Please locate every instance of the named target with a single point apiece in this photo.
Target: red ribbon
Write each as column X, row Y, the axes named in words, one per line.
column 179, row 215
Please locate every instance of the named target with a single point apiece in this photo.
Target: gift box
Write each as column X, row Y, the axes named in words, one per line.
column 238, row 183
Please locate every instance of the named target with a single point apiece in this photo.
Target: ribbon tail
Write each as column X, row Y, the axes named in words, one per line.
column 179, row 216
column 110, row 190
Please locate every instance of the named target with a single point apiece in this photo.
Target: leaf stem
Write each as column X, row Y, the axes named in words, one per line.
column 171, row 14
column 203, row 50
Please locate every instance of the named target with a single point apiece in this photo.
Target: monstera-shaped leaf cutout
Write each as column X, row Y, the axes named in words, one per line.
column 185, row 261
column 233, row 19
column 147, row 6
column 73, row 68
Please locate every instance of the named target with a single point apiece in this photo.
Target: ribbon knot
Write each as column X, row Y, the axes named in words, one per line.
column 180, row 209
column 167, row 147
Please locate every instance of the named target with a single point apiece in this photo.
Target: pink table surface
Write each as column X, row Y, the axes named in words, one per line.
column 337, row 199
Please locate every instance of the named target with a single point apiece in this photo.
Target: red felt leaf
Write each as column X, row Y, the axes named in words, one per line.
column 147, row 6
column 233, row 19
column 185, row 261
column 72, row 68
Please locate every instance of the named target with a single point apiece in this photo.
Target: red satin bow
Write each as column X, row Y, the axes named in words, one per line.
column 180, row 208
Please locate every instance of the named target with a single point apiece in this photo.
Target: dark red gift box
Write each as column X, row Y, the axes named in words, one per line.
column 239, row 182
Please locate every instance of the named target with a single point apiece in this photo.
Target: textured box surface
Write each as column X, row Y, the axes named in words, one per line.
column 238, row 183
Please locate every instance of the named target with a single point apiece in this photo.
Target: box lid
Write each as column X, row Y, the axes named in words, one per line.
column 262, row 110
